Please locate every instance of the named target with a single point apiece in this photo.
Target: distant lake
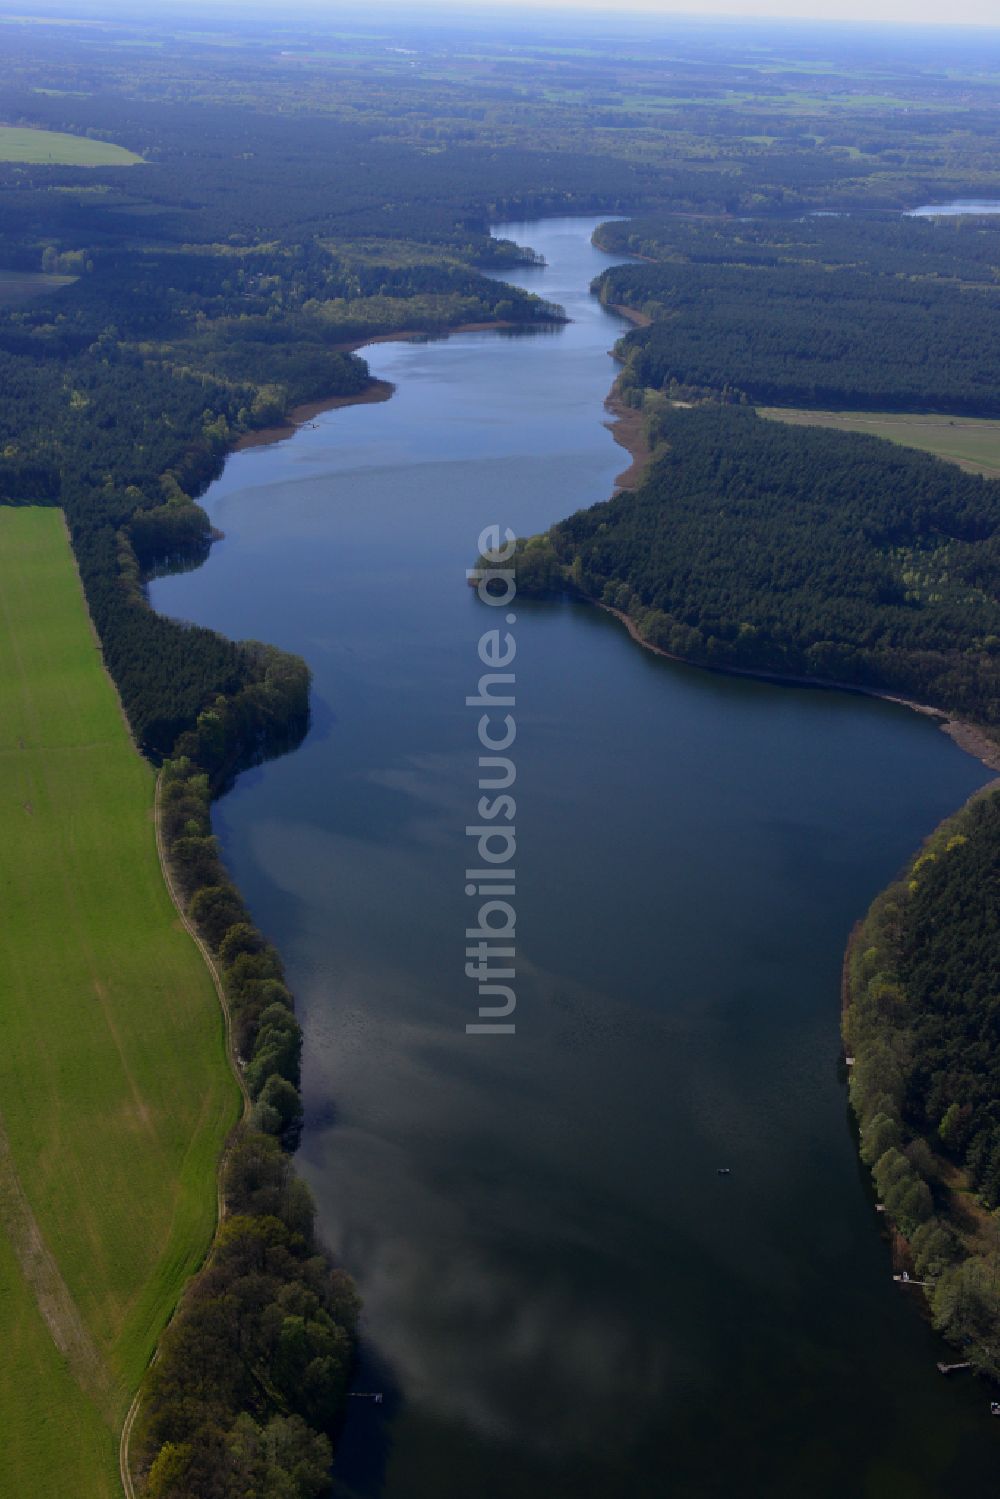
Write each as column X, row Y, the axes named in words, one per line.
column 950, row 210
column 564, row 1300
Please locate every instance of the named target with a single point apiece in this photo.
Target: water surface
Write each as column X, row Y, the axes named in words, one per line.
column 563, row 1298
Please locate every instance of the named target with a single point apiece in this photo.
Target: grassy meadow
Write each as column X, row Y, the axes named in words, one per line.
column 55, row 148
column 971, row 442
column 115, row 1093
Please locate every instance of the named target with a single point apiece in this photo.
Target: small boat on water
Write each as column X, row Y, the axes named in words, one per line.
column 995, row 1407
column 724, row 1170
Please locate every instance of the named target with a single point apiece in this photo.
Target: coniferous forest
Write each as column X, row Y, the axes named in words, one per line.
column 831, row 555
column 872, row 313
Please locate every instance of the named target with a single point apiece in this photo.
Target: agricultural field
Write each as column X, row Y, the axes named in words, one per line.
column 115, row 1092
column 55, row 148
column 968, row 441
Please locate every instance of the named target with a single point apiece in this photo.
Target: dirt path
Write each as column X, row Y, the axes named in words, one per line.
column 124, row 1471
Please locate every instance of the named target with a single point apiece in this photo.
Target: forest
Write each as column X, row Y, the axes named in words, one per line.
column 803, row 552
column 961, row 249
column 838, row 312
column 922, row 977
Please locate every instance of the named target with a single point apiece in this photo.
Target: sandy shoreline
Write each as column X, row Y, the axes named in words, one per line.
column 376, row 390
column 431, row 335
column 300, row 416
column 630, row 314
column 627, row 427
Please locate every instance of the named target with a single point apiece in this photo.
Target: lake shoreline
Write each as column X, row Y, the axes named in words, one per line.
column 627, row 427
column 376, row 390
column 968, row 736
column 630, row 314
column 301, row 416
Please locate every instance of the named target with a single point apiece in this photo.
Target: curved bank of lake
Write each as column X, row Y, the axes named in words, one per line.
column 563, row 1298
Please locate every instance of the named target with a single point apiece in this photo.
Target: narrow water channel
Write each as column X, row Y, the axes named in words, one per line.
column 564, row 1300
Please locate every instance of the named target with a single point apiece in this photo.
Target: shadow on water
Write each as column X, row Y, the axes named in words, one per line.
column 365, row 1441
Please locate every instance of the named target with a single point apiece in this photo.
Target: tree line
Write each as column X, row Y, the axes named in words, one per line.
column 923, row 978
column 246, row 1391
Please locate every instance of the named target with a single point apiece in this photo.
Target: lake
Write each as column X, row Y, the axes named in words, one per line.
column 564, row 1299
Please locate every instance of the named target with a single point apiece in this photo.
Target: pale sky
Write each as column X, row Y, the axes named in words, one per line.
column 905, row 12
column 962, row 12
column 913, row 13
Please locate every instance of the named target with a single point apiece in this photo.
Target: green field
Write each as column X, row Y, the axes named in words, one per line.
column 115, row 1093
column 972, row 443
column 53, row 147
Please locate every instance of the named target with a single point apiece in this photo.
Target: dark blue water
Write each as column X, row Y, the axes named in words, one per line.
column 563, row 1298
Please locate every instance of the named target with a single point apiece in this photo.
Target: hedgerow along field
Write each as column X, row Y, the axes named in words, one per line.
column 56, row 148
column 115, row 1092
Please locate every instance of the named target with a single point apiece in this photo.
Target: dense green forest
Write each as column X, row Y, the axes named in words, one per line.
column 894, row 246
column 831, row 555
column 899, row 314
column 922, row 985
